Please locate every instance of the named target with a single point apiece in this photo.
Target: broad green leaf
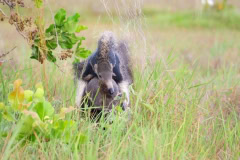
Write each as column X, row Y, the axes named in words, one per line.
column 65, row 41
column 76, row 60
column 26, row 127
column 51, row 44
column 65, row 45
column 38, row 3
column 63, row 129
column 60, row 17
column 43, row 109
column 37, row 123
column 17, row 83
column 28, row 95
column 74, row 39
column 35, row 53
column 50, row 29
column 39, row 93
column 51, row 57
column 81, row 52
column 85, row 53
column 71, row 24
column 69, row 39
column 81, row 28
column 17, row 95
column 36, row 40
column 20, row 95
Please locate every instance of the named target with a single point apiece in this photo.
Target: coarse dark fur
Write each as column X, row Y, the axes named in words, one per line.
column 96, row 96
column 117, row 56
column 109, row 63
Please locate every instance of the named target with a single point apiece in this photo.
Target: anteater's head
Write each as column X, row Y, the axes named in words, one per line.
column 104, row 70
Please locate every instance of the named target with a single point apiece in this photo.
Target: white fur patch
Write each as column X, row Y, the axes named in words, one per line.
column 124, row 89
column 80, row 89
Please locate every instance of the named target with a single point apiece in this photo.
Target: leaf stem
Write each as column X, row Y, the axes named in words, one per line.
column 3, row 86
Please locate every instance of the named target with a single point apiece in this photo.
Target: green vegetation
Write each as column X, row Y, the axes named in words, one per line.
column 45, row 41
column 62, row 33
column 226, row 19
column 174, row 115
column 184, row 105
column 34, row 116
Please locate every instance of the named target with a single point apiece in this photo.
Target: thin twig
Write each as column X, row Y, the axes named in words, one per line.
column 9, row 4
column 3, row 12
column 58, row 67
column 11, row 7
column 24, row 36
column 3, row 55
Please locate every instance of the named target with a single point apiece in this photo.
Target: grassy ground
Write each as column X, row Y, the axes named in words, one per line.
column 184, row 101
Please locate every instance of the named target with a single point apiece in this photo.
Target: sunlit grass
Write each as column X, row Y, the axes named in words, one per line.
column 173, row 117
column 180, row 109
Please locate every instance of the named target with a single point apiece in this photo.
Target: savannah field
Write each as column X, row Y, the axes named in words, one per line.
column 185, row 100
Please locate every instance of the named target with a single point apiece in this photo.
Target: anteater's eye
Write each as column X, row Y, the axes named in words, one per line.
column 99, row 76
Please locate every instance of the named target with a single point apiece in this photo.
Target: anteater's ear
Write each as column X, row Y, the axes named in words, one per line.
column 95, row 68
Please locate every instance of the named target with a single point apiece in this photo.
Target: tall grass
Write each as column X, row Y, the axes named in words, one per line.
column 179, row 110
column 175, row 115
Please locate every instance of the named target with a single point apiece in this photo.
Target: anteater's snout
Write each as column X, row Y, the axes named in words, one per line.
column 111, row 91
